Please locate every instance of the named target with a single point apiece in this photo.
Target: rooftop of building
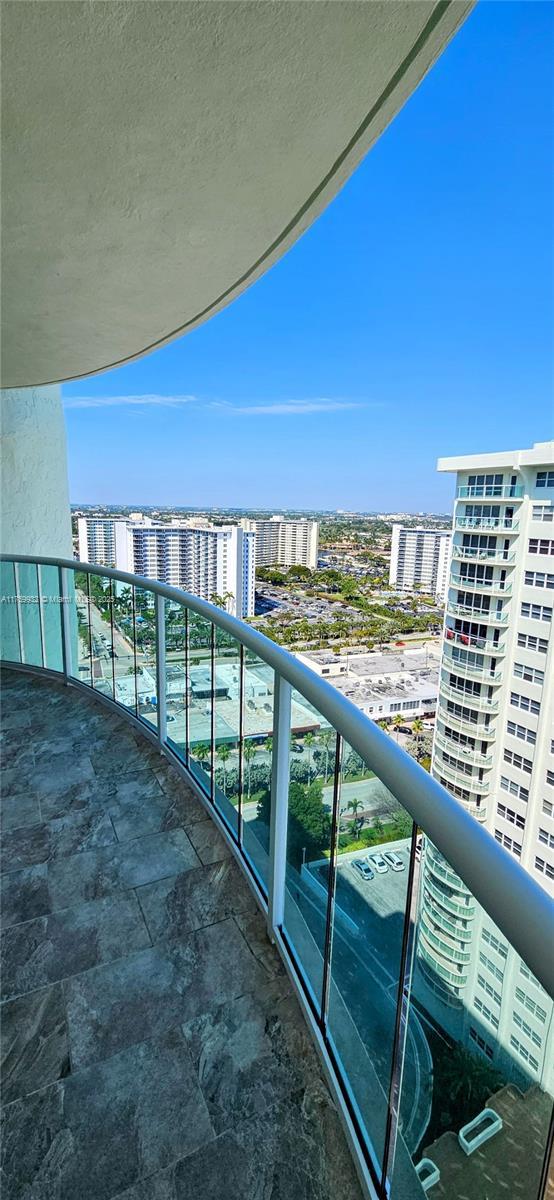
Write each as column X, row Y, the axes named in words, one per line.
column 152, row 1042
column 540, row 454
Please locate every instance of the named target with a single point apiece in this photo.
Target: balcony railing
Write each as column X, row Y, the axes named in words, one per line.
column 496, row 491
column 480, row 585
column 476, row 554
column 472, row 756
column 483, row 616
column 486, row 645
column 468, row 699
column 471, row 784
column 506, row 524
column 473, row 728
column 481, row 674
column 233, row 711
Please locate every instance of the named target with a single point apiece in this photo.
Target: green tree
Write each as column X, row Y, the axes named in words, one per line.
column 202, row 753
column 248, row 753
column 223, row 753
column 357, row 821
column 326, row 738
column 308, row 742
column 397, row 720
column 309, row 826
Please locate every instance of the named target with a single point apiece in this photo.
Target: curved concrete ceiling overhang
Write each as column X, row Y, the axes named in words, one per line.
column 158, row 157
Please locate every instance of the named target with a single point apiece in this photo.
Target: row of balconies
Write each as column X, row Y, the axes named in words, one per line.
column 480, row 673
column 480, row 554
column 486, row 703
column 484, row 616
column 490, row 491
column 506, row 524
column 470, row 584
column 487, row 645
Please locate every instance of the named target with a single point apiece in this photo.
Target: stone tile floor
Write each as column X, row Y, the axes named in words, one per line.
column 152, row 1047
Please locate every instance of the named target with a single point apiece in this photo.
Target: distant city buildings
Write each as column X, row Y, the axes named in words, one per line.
column 209, row 561
column 494, row 750
column 285, row 543
column 420, row 558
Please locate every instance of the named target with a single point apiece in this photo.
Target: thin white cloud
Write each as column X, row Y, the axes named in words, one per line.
column 290, row 408
column 115, row 401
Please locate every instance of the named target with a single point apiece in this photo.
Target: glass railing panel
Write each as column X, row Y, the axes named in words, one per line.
column 488, row 1027
column 51, row 617
column 9, row 625
column 124, row 626
column 29, row 613
column 200, row 707
column 81, row 640
column 176, row 619
column 227, row 727
column 145, row 643
column 310, row 821
column 371, row 898
column 258, row 700
column 107, row 656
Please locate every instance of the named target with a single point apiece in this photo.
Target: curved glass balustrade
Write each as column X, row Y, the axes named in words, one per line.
column 311, row 795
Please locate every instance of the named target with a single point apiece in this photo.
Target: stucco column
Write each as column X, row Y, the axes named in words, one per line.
column 35, row 514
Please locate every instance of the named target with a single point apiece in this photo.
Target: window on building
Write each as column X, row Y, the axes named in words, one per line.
column 548, row 808
column 510, row 815
column 515, row 789
column 526, row 1028
column 523, row 1053
column 517, row 760
column 544, row 867
column 520, row 731
column 531, row 1005
column 525, row 703
column 541, row 545
column 491, row 966
column 491, row 940
column 545, row 479
column 550, row 778
column 543, row 512
column 527, row 641
column 546, row 838
column 488, row 988
column 539, row 579
column 508, row 842
column 480, row 1042
column 485, row 1012
column 537, row 612
column 531, row 674
column 527, row 974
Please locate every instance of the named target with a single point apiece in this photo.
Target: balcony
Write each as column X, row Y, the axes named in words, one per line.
column 492, row 586
column 154, row 839
column 473, row 756
column 476, row 554
column 468, row 699
column 483, row 616
column 477, row 673
column 464, row 725
column 486, row 645
column 469, row 782
column 494, row 491
column 504, row 524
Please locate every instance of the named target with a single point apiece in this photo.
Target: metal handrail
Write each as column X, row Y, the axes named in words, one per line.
column 516, row 903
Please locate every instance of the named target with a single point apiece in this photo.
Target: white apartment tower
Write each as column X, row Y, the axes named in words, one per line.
column 205, row 560
column 420, row 558
column 285, row 543
column 494, row 750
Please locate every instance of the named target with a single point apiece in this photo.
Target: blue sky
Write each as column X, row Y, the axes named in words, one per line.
column 413, row 320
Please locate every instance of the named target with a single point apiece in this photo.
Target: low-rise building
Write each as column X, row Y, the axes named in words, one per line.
column 383, row 685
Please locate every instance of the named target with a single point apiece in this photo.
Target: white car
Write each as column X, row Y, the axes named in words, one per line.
column 362, row 868
column 393, row 861
column 378, row 863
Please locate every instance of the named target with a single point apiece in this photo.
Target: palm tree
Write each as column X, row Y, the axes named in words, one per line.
column 249, row 752
column 223, row 753
column 308, row 742
column 326, row 737
column 357, row 822
column 202, row 753
column 384, row 725
column 397, row 720
column 417, row 730
column 269, row 745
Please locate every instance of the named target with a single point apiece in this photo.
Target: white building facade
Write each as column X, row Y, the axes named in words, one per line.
column 494, row 750
column 285, row 543
column 208, row 561
column 420, row 558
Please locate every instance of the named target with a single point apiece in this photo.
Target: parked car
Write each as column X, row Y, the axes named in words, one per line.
column 393, row 861
column 378, row 863
column 403, row 728
column 362, row 868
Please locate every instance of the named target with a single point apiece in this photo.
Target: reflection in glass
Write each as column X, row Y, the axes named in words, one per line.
column 9, row 625
column 145, row 638
column 371, row 896
column 51, row 617
column 488, row 1026
column 176, row 618
column 81, row 658
column 310, row 810
column 200, row 706
column 257, row 757
column 227, row 726
column 103, row 652
column 124, row 653
column 29, row 613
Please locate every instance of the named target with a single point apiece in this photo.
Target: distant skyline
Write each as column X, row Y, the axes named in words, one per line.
column 413, row 320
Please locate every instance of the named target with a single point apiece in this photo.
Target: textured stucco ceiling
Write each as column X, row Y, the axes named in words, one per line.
column 158, row 157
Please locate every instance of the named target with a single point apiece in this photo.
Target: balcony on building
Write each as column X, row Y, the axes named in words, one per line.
column 198, row 999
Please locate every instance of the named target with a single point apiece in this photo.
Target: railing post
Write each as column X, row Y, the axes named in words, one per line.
column 161, row 683
column 279, row 804
column 66, row 624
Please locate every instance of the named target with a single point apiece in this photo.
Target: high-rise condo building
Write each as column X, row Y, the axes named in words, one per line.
column 494, row 748
column 285, row 543
column 420, row 558
column 205, row 560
